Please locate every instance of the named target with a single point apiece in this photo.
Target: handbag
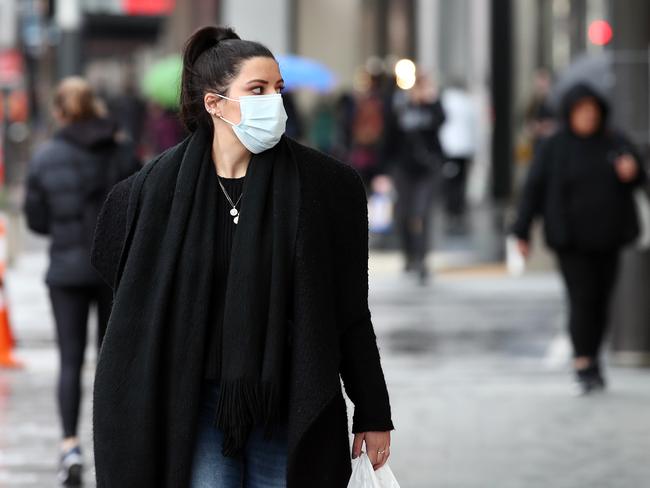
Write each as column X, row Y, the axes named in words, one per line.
column 364, row 475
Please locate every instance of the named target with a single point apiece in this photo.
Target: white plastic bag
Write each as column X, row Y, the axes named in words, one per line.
column 380, row 213
column 515, row 261
column 364, row 476
column 642, row 201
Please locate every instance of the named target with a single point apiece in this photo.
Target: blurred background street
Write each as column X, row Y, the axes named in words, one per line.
column 473, row 340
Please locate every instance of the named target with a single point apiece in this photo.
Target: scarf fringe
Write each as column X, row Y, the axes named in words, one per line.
column 240, row 407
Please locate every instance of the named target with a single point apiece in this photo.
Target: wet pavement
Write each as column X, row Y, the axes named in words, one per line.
column 477, row 367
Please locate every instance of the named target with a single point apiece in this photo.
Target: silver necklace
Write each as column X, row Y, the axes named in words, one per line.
column 233, row 211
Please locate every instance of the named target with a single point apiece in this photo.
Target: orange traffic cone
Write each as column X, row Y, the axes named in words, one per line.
column 7, row 341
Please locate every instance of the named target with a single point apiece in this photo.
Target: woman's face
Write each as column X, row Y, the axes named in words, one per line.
column 257, row 76
column 585, row 117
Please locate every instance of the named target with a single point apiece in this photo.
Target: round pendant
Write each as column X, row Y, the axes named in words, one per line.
column 234, row 212
column 236, row 219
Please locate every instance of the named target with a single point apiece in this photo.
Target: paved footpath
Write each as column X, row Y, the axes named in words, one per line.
column 477, row 367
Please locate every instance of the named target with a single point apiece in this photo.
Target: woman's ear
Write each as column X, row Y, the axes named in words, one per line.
column 212, row 104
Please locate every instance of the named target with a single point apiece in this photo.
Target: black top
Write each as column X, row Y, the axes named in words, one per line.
column 412, row 144
column 225, row 231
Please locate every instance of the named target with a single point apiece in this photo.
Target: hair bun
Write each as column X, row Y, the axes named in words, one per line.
column 212, row 58
column 204, row 39
column 225, row 33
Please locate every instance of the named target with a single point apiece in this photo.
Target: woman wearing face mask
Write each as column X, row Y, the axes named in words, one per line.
column 581, row 183
column 239, row 264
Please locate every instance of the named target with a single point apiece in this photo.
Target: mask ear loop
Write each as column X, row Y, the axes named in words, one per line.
column 232, row 100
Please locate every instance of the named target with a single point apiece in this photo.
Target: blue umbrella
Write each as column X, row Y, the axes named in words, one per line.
column 299, row 72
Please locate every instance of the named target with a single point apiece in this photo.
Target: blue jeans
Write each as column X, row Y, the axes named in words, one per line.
column 263, row 463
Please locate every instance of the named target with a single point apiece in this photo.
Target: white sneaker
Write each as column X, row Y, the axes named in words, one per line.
column 71, row 467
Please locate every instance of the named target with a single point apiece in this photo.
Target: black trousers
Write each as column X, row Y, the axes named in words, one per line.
column 71, row 306
column 413, row 213
column 589, row 280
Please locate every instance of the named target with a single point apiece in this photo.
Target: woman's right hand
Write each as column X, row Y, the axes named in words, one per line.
column 523, row 247
column 377, row 447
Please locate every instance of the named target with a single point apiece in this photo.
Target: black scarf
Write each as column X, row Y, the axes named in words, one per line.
column 174, row 259
column 257, row 305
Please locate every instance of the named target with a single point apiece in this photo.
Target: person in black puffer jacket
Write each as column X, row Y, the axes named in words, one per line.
column 582, row 183
column 69, row 178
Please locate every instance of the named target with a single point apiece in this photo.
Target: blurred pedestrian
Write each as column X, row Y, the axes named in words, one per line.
column 69, row 178
column 414, row 158
column 344, row 109
column 239, row 263
column 581, row 183
column 163, row 129
column 368, row 124
column 295, row 128
column 129, row 109
column 539, row 115
column 323, row 127
column 458, row 137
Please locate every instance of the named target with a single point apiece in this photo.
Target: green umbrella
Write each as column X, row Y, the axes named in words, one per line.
column 162, row 82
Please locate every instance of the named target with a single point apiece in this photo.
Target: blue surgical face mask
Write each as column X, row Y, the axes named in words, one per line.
column 263, row 121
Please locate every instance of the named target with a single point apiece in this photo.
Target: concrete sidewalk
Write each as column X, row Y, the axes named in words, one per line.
column 478, row 369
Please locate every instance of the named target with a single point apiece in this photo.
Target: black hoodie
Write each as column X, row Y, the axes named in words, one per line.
column 69, row 178
column 573, row 185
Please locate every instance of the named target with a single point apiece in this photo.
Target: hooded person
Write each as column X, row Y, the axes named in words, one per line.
column 581, row 184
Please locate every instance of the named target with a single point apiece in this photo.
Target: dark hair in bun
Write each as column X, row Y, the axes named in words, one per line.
column 212, row 57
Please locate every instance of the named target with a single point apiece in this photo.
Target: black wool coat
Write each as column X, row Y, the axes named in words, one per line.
column 331, row 337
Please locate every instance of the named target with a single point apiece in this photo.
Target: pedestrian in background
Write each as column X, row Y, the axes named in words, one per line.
column 539, row 115
column 458, row 137
column 413, row 159
column 367, row 129
column 239, row 260
column 69, row 178
column 129, row 110
column 581, row 183
column 295, row 124
column 162, row 130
